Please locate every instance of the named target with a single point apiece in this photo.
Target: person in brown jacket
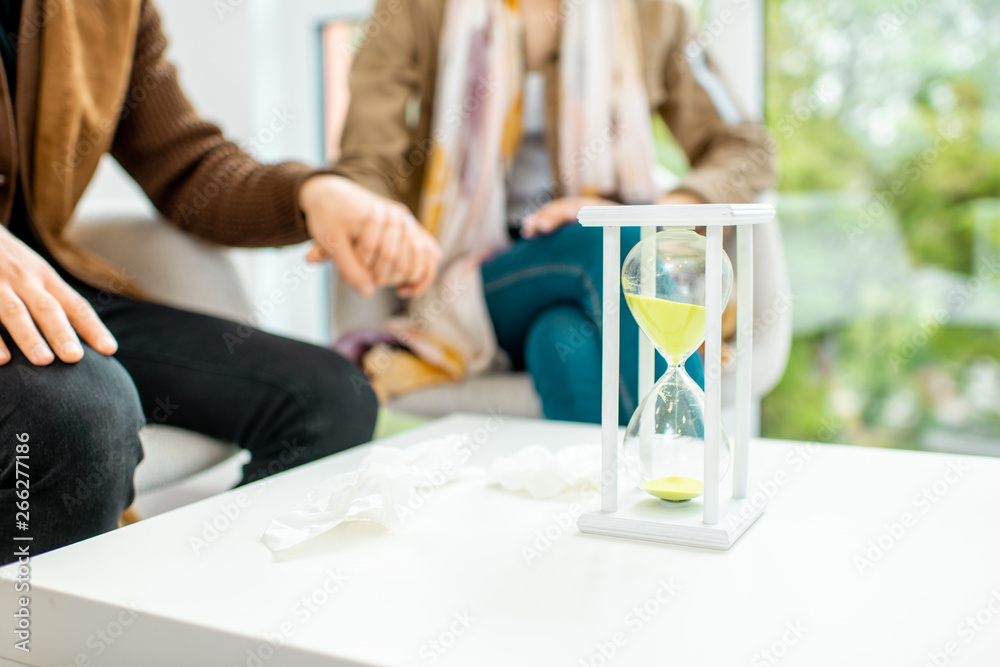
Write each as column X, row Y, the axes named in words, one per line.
column 496, row 121
column 84, row 360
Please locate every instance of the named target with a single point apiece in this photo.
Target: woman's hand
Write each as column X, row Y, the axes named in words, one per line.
column 41, row 312
column 680, row 197
column 372, row 241
column 557, row 213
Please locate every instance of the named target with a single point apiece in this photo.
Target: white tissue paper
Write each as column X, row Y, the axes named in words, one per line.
column 382, row 490
column 544, row 474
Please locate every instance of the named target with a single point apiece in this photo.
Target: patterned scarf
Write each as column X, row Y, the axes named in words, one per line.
column 605, row 141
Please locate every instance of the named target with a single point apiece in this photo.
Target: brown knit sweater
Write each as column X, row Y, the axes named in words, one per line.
column 94, row 80
column 192, row 174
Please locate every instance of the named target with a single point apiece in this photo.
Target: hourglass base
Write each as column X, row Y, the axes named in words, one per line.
column 642, row 517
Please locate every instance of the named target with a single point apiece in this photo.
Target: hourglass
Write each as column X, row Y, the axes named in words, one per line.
column 675, row 450
column 663, row 279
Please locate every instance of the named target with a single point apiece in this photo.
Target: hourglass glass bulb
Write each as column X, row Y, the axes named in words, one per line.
column 663, row 279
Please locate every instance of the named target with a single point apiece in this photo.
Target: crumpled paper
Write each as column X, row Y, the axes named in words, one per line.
column 383, row 490
column 545, row 474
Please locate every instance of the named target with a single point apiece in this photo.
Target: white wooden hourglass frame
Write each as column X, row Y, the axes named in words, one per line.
column 725, row 511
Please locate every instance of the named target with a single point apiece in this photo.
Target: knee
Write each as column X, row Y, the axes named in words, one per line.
column 325, row 406
column 341, row 404
column 586, row 245
column 83, row 420
column 560, row 335
column 584, row 248
column 562, row 352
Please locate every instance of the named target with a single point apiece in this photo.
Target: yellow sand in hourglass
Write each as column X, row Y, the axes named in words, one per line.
column 676, row 329
column 675, row 488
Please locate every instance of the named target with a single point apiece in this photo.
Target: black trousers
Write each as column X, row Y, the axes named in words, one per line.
column 76, row 425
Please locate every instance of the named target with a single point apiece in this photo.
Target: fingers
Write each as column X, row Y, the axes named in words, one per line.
column 41, row 312
column 350, row 267
column 429, row 254
column 557, row 213
column 382, row 245
column 418, row 270
column 549, row 218
column 316, row 254
column 51, row 319
column 412, row 262
column 406, row 268
column 16, row 318
column 393, row 246
column 408, row 261
column 83, row 319
column 369, row 241
column 405, row 251
column 353, row 260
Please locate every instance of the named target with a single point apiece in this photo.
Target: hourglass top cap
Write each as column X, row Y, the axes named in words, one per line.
column 674, row 215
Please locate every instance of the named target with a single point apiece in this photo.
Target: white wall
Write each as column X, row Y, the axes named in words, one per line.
column 735, row 33
column 239, row 61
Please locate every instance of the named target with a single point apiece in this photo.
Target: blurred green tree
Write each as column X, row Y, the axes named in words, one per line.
column 888, row 118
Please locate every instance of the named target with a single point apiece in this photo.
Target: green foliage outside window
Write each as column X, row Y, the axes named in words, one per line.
column 888, row 118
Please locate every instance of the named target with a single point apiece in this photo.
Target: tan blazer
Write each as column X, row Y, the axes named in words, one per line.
column 386, row 136
column 92, row 79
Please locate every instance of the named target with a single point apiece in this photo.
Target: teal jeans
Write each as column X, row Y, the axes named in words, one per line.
column 545, row 297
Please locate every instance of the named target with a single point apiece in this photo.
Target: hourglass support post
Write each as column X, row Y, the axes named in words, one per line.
column 744, row 358
column 647, row 355
column 647, row 282
column 713, row 370
column 610, row 370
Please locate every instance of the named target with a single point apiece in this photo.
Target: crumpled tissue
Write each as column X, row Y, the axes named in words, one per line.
column 544, row 474
column 381, row 490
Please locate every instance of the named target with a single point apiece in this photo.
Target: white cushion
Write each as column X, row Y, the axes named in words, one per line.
column 510, row 394
column 173, row 454
column 171, row 266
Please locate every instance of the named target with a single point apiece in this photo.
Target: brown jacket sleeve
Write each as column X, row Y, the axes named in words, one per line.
column 192, row 174
column 731, row 156
column 377, row 148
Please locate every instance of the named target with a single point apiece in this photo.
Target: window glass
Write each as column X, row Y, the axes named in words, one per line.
column 888, row 118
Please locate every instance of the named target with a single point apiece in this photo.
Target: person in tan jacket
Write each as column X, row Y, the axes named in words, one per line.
column 495, row 121
column 84, row 360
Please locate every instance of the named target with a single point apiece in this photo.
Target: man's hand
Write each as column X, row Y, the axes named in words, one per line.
column 372, row 240
column 41, row 312
column 557, row 213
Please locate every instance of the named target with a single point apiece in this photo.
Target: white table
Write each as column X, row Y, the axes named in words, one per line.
column 454, row 586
